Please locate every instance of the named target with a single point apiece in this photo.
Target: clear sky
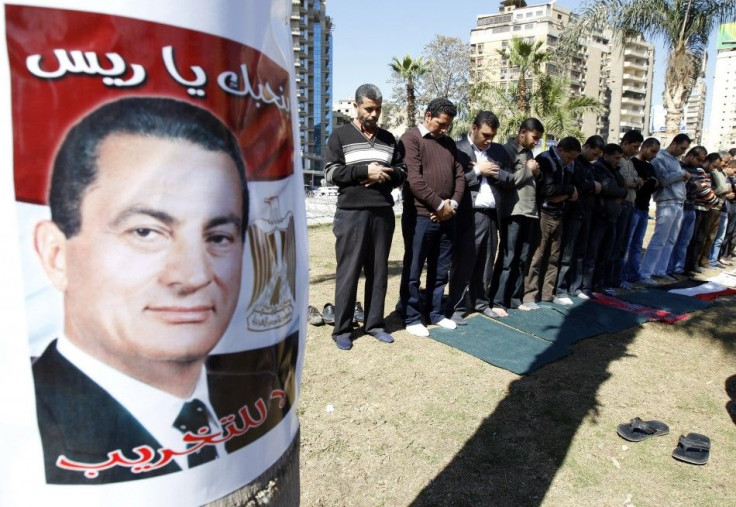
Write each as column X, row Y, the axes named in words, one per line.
column 367, row 35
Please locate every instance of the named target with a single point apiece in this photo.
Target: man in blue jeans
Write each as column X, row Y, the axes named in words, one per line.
column 434, row 186
column 669, row 198
column 639, row 221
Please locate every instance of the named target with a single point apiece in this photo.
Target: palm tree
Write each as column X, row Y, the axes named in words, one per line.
column 550, row 102
column 558, row 111
column 527, row 57
column 682, row 25
column 408, row 70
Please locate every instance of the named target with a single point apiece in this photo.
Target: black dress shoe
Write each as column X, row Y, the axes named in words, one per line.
column 314, row 317
column 328, row 314
column 359, row 315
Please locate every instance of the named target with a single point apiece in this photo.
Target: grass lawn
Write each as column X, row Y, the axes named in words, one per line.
column 420, row 423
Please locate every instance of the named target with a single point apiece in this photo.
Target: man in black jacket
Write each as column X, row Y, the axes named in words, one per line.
column 554, row 190
column 639, row 220
column 605, row 215
column 487, row 168
column 576, row 221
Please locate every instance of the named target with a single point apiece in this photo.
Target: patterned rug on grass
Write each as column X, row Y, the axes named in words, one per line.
column 562, row 328
column 500, row 345
column 652, row 314
column 667, row 301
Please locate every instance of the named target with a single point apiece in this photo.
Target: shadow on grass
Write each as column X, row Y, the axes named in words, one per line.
column 716, row 324
column 517, row 450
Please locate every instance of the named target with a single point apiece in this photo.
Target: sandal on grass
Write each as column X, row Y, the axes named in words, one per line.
column 638, row 430
column 693, row 448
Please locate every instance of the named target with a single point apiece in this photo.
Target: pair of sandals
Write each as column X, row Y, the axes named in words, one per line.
column 692, row 448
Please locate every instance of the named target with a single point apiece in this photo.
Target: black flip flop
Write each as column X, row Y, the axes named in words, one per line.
column 638, row 430
column 693, row 448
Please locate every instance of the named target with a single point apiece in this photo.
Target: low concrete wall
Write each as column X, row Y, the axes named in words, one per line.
column 321, row 210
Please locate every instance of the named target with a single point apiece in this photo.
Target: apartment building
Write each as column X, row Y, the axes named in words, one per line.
column 311, row 32
column 722, row 126
column 694, row 109
column 618, row 76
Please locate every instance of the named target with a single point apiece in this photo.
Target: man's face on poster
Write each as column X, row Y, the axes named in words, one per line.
column 154, row 273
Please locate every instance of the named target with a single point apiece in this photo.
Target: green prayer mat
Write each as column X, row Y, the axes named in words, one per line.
column 500, row 345
column 562, row 328
column 598, row 316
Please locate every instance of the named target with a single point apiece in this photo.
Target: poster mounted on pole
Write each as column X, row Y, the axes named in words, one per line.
column 153, row 266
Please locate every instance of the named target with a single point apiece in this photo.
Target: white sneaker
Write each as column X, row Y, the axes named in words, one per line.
column 648, row 282
column 418, row 329
column 529, row 306
column 446, row 323
column 584, row 295
column 565, row 301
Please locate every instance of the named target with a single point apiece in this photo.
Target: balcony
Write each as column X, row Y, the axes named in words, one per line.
column 633, row 125
column 634, row 51
column 634, row 89
column 636, row 65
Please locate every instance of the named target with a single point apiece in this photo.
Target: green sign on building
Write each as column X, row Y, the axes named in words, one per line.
column 727, row 36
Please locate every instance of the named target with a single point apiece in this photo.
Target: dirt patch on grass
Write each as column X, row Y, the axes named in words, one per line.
column 419, row 423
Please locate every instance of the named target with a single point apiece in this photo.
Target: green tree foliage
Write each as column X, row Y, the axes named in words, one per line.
column 550, row 101
column 527, row 58
column 448, row 70
column 683, row 26
column 407, row 71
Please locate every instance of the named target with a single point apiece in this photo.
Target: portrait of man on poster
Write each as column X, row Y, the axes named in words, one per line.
column 149, row 208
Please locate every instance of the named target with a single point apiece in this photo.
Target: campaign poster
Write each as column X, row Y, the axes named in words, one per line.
column 153, row 266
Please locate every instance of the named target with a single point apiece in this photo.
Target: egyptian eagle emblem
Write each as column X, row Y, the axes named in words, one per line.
column 272, row 247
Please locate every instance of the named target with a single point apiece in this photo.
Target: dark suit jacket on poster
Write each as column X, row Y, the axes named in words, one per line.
column 80, row 420
column 499, row 184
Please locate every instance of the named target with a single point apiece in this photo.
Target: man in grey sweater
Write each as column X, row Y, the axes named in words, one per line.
column 669, row 198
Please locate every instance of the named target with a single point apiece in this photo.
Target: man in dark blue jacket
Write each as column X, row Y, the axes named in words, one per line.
column 554, row 190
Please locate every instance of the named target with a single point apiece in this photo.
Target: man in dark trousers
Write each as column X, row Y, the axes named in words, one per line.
column 603, row 225
column 576, row 222
column 362, row 160
column 487, row 170
column 519, row 215
column 434, row 188
column 555, row 189
column 640, row 218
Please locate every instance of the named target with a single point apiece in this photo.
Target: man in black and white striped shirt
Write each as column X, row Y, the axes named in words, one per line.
column 362, row 160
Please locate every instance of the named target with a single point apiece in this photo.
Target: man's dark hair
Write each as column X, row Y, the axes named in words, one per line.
column 75, row 166
column 681, row 138
column 649, row 142
column 612, row 149
column 632, row 136
column 486, row 118
column 569, row 144
column 532, row 124
column 712, row 157
column 440, row 106
column 698, row 151
column 732, row 152
column 367, row 91
column 595, row 142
